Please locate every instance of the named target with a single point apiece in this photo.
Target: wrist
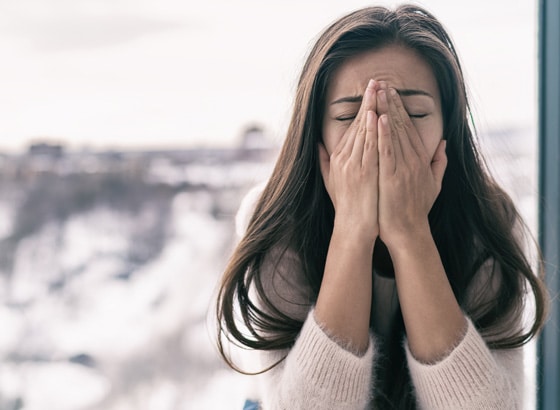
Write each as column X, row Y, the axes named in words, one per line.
column 355, row 234
column 417, row 237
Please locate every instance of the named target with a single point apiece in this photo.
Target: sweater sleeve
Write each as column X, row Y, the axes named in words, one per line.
column 471, row 376
column 319, row 374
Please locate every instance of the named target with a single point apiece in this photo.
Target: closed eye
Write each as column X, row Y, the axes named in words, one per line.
column 352, row 117
column 345, row 118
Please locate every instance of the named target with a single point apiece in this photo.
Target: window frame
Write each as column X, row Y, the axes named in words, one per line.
column 549, row 197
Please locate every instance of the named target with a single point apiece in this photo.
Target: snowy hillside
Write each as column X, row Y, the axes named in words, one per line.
column 106, row 278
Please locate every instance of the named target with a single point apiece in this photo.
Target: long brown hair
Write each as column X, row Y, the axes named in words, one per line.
column 472, row 220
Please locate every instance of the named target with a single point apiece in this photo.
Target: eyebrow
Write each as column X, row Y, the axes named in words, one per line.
column 403, row 93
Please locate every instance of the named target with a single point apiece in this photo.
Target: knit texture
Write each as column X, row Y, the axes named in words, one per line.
column 319, row 374
column 470, row 377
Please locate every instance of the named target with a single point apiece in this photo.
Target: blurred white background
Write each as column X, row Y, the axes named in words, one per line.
column 146, row 73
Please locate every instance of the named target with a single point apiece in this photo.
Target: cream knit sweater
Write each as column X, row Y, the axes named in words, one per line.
column 318, row 373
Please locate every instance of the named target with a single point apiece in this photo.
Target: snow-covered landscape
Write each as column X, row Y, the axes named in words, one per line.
column 109, row 261
column 108, row 265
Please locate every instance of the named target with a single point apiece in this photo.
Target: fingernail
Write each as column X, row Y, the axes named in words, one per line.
column 384, row 119
column 371, row 83
column 393, row 92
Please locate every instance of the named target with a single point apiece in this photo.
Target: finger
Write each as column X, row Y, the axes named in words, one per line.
column 401, row 125
column 359, row 141
column 368, row 103
column 346, row 144
column 412, row 139
column 439, row 163
column 385, row 148
column 384, row 108
column 371, row 156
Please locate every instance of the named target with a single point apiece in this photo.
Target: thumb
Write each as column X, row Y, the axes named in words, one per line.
column 439, row 162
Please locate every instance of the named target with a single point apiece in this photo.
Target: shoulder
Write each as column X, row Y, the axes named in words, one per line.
column 493, row 305
column 284, row 283
column 247, row 208
column 281, row 277
column 489, row 278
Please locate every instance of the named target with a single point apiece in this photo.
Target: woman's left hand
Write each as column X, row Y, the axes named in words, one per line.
column 409, row 178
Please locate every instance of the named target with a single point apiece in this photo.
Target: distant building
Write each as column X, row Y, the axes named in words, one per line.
column 255, row 145
column 254, row 137
column 44, row 149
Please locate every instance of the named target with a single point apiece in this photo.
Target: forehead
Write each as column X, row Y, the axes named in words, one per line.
column 399, row 66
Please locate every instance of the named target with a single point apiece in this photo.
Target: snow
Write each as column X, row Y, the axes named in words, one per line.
column 13, row 329
column 77, row 334
column 6, row 218
column 61, row 386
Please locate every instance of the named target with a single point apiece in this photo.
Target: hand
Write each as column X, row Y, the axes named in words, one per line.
column 351, row 171
column 409, row 179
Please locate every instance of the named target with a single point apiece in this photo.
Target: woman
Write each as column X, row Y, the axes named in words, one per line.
column 382, row 267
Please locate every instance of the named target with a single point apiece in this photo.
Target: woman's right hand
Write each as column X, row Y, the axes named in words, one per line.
column 351, row 171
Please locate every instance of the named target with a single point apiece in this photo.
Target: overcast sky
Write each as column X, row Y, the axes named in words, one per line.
column 183, row 73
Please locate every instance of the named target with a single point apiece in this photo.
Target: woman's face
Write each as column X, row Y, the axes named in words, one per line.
column 401, row 68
